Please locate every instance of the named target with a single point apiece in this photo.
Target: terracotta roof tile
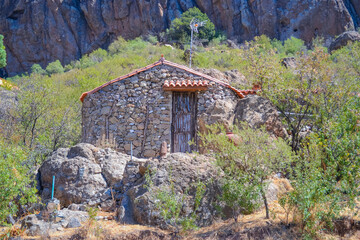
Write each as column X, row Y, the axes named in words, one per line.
column 192, row 83
column 185, row 83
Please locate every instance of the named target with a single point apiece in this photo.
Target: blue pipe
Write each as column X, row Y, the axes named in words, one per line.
column 52, row 191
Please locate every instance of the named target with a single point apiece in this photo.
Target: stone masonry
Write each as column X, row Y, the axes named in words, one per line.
column 138, row 110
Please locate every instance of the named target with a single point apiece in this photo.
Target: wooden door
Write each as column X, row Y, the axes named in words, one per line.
column 184, row 110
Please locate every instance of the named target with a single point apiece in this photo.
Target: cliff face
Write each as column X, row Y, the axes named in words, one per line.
column 41, row 31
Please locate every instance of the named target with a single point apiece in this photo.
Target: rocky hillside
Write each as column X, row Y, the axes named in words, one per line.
column 45, row 30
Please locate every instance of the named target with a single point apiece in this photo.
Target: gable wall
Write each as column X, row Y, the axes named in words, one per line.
column 137, row 109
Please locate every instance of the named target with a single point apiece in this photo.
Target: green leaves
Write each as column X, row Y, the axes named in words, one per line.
column 247, row 160
column 2, row 52
column 16, row 185
column 170, row 202
column 180, row 27
column 54, row 67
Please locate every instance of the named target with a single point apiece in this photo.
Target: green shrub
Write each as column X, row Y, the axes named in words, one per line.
column 117, row 46
column 2, row 52
column 98, row 55
column 152, row 39
column 37, row 69
column 169, row 203
column 293, row 46
column 325, row 178
column 54, row 67
column 217, row 40
column 16, row 182
column 247, row 161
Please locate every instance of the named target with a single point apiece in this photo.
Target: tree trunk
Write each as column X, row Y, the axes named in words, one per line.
column 265, row 203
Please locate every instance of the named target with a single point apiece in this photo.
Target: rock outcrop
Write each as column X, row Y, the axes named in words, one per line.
column 344, row 39
column 257, row 112
column 83, row 174
column 184, row 171
column 86, row 175
column 38, row 224
column 45, row 30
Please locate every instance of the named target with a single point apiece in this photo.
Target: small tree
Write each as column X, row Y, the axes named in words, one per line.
column 308, row 96
column 2, row 52
column 248, row 159
column 180, row 27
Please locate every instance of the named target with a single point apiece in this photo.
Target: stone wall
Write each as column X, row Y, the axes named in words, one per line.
column 137, row 110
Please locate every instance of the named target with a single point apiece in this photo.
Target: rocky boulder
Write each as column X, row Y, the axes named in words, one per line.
column 83, row 174
column 184, row 171
column 86, row 175
column 344, row 39
column 233, row 77
column 40, row 225
column 258, row 111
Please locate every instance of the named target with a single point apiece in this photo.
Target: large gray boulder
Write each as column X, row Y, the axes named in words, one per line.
column 257, row 112
column 184, row 171
column 83, row 174
column 343, row 39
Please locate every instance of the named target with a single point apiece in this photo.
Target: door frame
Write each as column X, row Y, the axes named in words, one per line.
column 194, row 120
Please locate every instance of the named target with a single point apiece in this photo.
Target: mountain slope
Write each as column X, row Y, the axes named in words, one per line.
column 42, row 31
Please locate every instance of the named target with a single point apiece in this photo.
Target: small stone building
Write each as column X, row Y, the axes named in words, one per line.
column 161, row 102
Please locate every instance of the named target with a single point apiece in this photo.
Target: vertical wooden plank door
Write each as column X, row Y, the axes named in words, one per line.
column 184, row 109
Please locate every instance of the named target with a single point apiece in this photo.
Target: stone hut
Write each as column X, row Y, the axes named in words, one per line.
column 162, row 102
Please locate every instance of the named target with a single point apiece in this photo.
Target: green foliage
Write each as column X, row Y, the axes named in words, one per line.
column 2, row 52
column 293, row 45
column 37, row 69
column 217, row 40
column 169, row 202
column 325, row 179
column 92, row 212
column 152, row 39
column 307, row 96
column 45, row 122
column 54, row 67
column 247, row 160
column 347, row 65
column 314, row 197
column 16, row 184
column 180, row 27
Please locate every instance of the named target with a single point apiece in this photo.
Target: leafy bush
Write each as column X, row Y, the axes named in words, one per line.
column 247, row 160
column 54, row 67
column 37, row 69
column 293, row 45
column 169, row 203
column 98, row 55
column 2, row 52
column 152, row 39
column 325, row 178
column 180, row 27
column 16, row 184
